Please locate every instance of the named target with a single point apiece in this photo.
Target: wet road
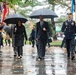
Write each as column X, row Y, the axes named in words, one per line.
column 55, row 62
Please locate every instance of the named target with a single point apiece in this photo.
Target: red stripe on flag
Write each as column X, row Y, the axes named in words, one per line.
column 4, row 11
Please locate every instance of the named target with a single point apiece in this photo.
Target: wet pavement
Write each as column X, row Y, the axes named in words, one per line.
column 55, row 62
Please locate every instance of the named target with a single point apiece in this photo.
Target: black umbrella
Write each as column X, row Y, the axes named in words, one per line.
column 13, row 18
column 46, row 13
column 1, row 27
column 7, row 29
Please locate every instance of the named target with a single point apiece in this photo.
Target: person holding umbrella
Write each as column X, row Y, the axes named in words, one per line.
column 42, row 29
column 13, row 19
column 20, row 33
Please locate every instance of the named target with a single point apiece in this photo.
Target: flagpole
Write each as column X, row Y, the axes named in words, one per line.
column 75, row 13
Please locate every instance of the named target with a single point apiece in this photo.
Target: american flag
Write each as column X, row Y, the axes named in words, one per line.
column 4, row 11
column 72, row 6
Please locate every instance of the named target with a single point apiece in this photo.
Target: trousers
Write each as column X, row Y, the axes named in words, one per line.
column 70, row 45
column 41, row 47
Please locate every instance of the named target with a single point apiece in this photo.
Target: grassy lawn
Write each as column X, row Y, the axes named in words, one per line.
column 56, row 43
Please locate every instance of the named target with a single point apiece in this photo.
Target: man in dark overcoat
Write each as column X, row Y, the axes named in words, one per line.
column 41, row 37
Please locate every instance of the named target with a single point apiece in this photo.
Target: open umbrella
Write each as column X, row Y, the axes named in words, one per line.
column 46, row 13
column 13, row 18
column 7, row 29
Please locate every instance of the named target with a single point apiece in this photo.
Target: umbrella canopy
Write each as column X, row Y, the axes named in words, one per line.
column 1, row 27
column 7, row 29
column 13, row 18
column 46, row 13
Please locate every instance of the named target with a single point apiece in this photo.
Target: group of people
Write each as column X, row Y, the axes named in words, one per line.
column 40, row 35
column 69, row 30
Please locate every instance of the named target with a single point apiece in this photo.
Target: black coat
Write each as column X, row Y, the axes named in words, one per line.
column 20, row 33
column 40, row 34
column 33, row 34
column 69, row 29
column 13, row 35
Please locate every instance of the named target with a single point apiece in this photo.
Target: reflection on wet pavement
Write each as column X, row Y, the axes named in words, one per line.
column 55, row 62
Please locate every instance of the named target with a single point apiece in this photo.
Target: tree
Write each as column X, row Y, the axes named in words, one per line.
column 53, row 3
column 21, row 3
column 58, row 2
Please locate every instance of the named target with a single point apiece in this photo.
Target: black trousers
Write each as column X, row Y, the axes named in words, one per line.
column 33, row 43
column 20, row 51
column 70, row 45
column 41, row 47
column 68, row 42
column 15, row 50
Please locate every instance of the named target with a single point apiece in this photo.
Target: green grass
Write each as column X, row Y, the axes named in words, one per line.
column 57, row 43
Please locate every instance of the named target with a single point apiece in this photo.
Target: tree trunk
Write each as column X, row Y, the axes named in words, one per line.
column 53, row 22
column 53, row 25
column 53, row 7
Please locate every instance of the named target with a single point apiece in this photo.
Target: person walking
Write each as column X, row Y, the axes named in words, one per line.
column 32, row 35
column 68, row 28
column 41, row 37
column 20, row 33
column 7, row 40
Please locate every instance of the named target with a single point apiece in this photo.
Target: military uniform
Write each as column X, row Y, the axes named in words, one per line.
column 68, row 28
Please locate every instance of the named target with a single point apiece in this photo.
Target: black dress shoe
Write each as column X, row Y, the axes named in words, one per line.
column 38, row 58
column 41, row 58
column 20, row 56
column 32, row 46
column 73, row 58
column 15, row 55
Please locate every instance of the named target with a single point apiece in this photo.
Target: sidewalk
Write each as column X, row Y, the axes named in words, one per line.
column 55, row 62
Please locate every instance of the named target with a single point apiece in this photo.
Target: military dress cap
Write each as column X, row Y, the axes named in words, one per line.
column 69, row 13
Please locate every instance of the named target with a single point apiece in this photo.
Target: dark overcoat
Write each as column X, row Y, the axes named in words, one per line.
column 33, row 34
column 40, row 34
column 20, row 33
column 13, row 35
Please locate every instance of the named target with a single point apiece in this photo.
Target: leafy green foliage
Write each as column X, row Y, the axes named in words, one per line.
column 51, row 28
column 1, row 0
column 59, row 2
